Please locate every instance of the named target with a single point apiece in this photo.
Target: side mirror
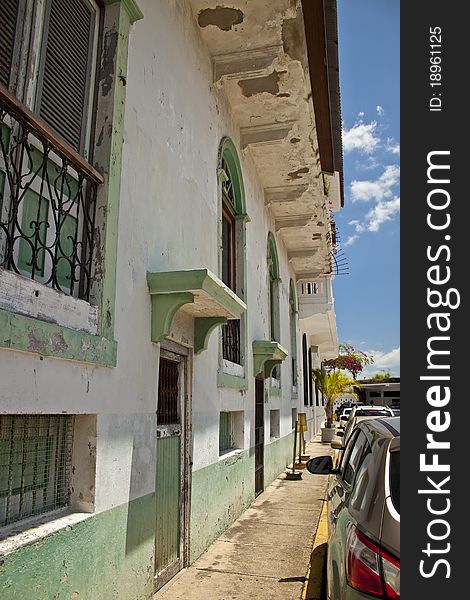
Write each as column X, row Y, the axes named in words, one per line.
column 321, row 465
column 340, row 434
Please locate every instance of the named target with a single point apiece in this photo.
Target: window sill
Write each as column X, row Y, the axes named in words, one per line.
column 28, row 334
column 235, row 382
column 231, row 455
column 231, row 368
column 29, row 531
column 33, row 299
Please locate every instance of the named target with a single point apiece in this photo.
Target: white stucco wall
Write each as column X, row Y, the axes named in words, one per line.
column 174, row 122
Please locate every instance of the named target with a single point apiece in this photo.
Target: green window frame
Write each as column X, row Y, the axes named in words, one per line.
column 98, row 348
column 226, row 442
column 232, row 269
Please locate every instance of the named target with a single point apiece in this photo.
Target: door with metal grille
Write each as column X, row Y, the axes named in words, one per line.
column 259, row 436
column 171, row 470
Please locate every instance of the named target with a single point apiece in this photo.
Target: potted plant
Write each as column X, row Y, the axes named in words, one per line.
column 331, row 385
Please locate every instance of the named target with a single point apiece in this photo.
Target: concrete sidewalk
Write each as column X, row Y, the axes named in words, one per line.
column 266, row 553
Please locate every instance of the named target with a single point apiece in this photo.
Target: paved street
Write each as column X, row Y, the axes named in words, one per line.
column 267, row 552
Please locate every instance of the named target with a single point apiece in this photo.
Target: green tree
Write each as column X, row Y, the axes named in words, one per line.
column 382, row 376
column 332, row 385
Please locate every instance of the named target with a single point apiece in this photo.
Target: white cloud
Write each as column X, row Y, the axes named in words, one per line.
column 383, row 361
column 377, row 190
column 382, row 211
column 362, row 136
column 385, row 210
column 380, row 110
column 351, row 239
column 392, row 146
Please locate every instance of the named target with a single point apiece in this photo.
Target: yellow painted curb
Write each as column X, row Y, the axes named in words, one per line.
column 313, row 583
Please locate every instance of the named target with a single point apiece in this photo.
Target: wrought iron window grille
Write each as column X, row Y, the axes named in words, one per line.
column 47, row 203
column 168, row 393
column 231, row 341
column 227, row 186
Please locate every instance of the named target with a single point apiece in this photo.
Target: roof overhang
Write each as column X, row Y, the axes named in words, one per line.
column 272, row 63
column 321, row 30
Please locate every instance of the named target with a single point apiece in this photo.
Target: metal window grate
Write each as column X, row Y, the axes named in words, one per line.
column 168, row 392
column 231, row 341
column 227, row 186
column 47, row 204
column 35, row 465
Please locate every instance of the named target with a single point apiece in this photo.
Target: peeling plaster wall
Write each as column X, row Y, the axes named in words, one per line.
column 174, row 122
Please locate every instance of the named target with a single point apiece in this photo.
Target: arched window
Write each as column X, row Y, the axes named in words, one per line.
column 274, row 282
column 305, row 368
column 293, row 331
column 232, row 260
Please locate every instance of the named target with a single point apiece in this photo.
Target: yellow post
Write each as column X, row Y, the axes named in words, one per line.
column 302, row 417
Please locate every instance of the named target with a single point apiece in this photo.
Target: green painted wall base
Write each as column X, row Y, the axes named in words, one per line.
column 277, row 456
column 109, row 556
column 219, row 494
column 222, row 491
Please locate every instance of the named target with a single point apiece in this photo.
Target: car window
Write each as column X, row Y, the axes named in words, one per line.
column 370, row 412
column 349, row 428
column 362, row 486
column 395, row 479
column 353, row 456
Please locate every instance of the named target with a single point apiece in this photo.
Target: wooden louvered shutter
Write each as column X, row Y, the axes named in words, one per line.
column 64, row 86
column 8, row 21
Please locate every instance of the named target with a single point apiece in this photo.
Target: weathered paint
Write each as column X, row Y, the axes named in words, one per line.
column 220, row 493
column 27, row 334
column 167, row 500
column 222, row 17
column 111, row 100
column 167, row 196
column 68, row 343
column 106, row 557
column 277, row 456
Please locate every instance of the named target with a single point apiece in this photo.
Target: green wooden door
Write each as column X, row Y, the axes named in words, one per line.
column 170, row 501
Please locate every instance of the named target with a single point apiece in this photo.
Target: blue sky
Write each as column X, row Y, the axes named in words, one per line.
column 367, row 300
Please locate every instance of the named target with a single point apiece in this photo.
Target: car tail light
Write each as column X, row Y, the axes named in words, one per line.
column 391, row 571
column 371, row 570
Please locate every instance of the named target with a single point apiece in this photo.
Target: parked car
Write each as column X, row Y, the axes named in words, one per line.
column 341, row 408
column 360, row 413
column 344, row 417
column 363, row 558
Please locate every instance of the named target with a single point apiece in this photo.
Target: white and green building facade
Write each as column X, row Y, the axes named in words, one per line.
column 169, row 171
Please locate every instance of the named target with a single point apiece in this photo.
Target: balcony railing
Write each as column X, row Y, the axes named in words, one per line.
column 47, row 203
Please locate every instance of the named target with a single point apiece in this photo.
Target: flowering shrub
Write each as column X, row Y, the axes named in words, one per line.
column 349, row 359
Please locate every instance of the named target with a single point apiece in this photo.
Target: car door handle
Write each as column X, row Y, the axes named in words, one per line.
column 333, row 516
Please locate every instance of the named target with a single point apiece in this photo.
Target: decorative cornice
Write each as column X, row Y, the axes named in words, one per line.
column 131, row 7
